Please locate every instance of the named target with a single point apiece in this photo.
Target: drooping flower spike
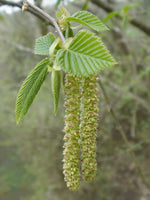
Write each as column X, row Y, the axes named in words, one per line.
column 88, row 127
column 71, row 138
column 80, row 128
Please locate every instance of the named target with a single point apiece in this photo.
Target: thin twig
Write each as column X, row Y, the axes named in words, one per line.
column 19, row 5
column 47, row 18
column 139, row 170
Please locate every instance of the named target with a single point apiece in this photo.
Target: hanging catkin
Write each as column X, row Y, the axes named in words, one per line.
column 71, row 138
column 88, row 127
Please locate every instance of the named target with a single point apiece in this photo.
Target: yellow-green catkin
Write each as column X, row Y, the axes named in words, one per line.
column 71, row 138
column 88, row 127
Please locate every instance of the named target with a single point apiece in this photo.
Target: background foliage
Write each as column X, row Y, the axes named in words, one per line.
column 31, row 153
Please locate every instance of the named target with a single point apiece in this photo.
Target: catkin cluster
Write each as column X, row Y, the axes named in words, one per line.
column 88, row 127
column 71, row 138
column 80, row 127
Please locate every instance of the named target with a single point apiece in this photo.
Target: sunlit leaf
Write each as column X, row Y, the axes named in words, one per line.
column 89, row 20
column 86, row 55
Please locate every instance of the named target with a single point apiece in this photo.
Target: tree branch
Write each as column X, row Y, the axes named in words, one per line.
column 36, row 11
column 134, row 22
column 19, row 5
column 47, row 17
column 10, row 3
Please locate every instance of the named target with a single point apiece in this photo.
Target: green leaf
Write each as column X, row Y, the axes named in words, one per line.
column 85, row 56
column 130, row 6
column 30, row 88
column 109, row 16
column 58, row 14
column 125, row 22
column 55, row 83
column 89, row 20
column 57, row 3
column 85, row 6
column 43, row 44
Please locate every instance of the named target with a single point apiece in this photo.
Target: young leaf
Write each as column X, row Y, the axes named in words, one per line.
column 110, row 16
column 55, row 83
column 43, row 44
column 130, row 6
column 57, row 3
column 85, row 6
column 89, row 20
column 53, row 47
column 85, row 56
column 30, row 88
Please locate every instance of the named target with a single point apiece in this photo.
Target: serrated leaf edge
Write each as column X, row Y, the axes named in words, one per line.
column 109, row 63
column 18, row 119
column 81, row 21
column 42, row 37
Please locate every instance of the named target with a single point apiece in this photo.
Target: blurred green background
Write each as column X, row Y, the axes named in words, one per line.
column 31, row 152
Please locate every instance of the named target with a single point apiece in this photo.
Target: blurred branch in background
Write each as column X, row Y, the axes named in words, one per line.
column 142, row 27
column 139, row 100
column 131, row 152
column 119, row 155
column 11, row 3
column 18, row 46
